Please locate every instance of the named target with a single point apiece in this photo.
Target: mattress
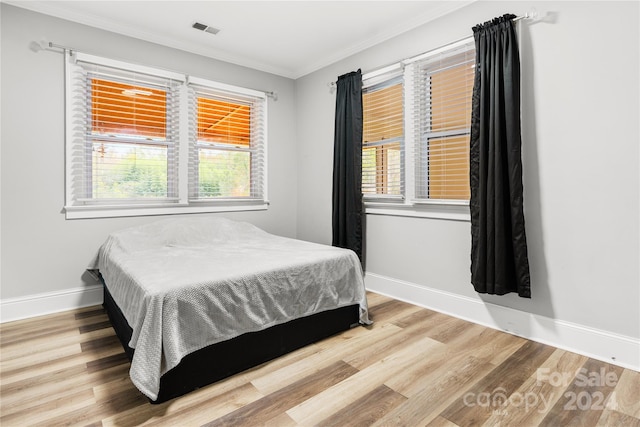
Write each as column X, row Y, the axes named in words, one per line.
column 184, row 284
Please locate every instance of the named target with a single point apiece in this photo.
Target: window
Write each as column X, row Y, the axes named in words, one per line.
column 383, row 137
column 132, row 143
column 444, row 85
column 416, row 128
column 227, row 155
column 143, row 141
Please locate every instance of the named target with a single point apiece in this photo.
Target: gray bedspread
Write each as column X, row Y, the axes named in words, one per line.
column 183, row 284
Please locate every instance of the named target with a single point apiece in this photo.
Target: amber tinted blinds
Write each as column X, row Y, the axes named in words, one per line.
column 227, row 145
column 442, row 115
column 383, row 137
column 125, row 147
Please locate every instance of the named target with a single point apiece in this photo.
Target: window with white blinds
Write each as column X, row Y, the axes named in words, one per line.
column 443, row 86
column 124, row 128
column 383, row 136
column 227, row 150
column 128, row 127
column 416, row 130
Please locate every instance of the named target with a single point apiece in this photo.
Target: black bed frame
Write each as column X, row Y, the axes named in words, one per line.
column 221, row 360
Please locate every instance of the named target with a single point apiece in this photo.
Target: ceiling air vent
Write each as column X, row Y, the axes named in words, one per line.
column 205, row 28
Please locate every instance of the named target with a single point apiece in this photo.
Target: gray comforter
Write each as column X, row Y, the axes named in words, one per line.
column 186, row 283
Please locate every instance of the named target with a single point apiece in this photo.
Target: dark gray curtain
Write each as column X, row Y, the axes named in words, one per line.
column 499, row 262
column 347, row 164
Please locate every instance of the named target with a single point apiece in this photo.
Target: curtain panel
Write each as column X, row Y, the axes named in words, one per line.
column 348, row 211
column 499, row 261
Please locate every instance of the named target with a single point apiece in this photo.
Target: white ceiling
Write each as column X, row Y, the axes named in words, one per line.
column 288, row 38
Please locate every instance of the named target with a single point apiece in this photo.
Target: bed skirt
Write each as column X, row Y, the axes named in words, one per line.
column 224, row 359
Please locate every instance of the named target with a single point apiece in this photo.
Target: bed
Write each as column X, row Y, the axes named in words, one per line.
column 195, row 300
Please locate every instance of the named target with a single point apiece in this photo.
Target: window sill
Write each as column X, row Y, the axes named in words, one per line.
column 87, row 212
column 454, row 211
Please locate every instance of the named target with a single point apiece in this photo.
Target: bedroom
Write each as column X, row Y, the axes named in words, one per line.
column 581, row 199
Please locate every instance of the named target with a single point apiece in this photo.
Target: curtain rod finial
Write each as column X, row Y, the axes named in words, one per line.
column 39, row 45
column 273, row 95
column 531, row 14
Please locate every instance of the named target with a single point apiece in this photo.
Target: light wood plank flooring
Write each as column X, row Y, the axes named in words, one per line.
column 413, row 367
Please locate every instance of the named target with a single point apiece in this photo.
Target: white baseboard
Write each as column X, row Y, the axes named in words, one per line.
column 47, row 303
column 598, row 344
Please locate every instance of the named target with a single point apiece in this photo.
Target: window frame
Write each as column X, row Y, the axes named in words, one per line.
column 379, row 81
column 77, row 143
column 257, row 141
column 412, row 205
column 127, row 140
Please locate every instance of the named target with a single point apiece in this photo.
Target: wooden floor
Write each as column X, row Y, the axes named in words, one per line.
column 412, row 367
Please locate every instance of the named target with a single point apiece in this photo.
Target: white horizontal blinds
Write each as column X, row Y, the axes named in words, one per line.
column 442, row 114
column 78, row 126
column 130, row 141
column 227, row 150
column 383, row 136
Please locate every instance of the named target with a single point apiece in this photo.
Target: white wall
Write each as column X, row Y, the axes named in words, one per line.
column 41, row 251
column 580, row 151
